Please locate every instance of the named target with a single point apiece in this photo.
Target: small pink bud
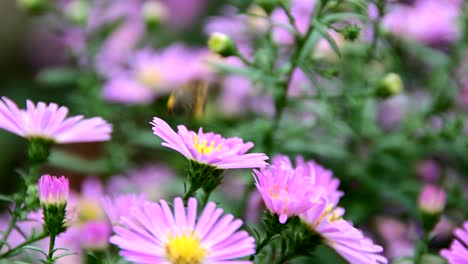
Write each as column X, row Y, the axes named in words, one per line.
column 53, row 190
column 432, row 199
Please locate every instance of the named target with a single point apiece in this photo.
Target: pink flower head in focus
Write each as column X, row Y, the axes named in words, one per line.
column 50, row 122
column 286, row 191
column 209, row 148
column 154, row 233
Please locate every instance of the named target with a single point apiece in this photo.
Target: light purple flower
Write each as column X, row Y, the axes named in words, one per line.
column 53, row 190
column 432, row 199
column 286, row 191
column 458, row 252
column 50, row 122
column 154, row 73
column 156, row 234
column 418, row 21
column 183, row 13
column 209, row 148
column 342, row 236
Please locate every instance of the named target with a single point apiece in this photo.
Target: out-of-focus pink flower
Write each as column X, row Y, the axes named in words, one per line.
column 183, row 13
column 153, row 73
column 426, row 21
column 95, row 235
column 50, row 122
column 155, row 233
column 391, row 111
column 459, row 247
column 432, row 199
column 209, row 148
column 155, row 181
column 121, row 206
column 302, row 11
column 428, row 170
column 396, row 236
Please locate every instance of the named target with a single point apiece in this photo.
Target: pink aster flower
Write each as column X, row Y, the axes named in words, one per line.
column 341, row 235
column 459, row 247
column 209, row 148
column 318, row 176
column 285, row 191
column 49, row 122
column 53, row 190
column 155, row 234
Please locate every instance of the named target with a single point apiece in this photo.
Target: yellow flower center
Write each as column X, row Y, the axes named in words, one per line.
column 89, row 210
column 203, row 147
column 184, row 249
column 150, row 77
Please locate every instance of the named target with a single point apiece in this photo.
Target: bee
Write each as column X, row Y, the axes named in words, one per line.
column 190, row 98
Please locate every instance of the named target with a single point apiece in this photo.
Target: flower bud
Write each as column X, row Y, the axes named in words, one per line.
column 31, row 200
column 154, row 12
column 53, row 196
column 222, row 44
column 431, row 203
column 351, row 32
column 32, row 6
column 78, row 11
column 39, row 149
column 390, row 85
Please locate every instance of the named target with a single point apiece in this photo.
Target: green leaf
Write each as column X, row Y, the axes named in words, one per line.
column 344, row 16
column 323, row 30
column 72, row 162
column 6, row 198
column 58, row 76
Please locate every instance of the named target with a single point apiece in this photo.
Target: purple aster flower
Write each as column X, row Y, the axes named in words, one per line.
column 209, row 148
column 49, row 122
column 286, row 191
column 459, row 247
column 155, row 234
column 316, row 174
column 53, row 190
column 342, row 236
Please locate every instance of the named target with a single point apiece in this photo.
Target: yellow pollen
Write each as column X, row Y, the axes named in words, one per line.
column 150, row 77
column 184, row 249
column 203, row 147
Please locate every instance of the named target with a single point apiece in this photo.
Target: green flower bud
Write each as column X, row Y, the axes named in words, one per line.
column 78, row 12
column 31, row 200
column 390, row 85
column 154, row 13
column 222, row 44
column 351, row 32
column 39, row 149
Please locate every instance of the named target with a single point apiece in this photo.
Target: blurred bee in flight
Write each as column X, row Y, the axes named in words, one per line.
column 190, row 98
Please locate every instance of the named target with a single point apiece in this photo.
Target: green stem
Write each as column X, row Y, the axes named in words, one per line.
column 25, row 243
column 190, row 193
column 206, row 198
column 263, row 244
column 51, row 249
column 376, row 26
